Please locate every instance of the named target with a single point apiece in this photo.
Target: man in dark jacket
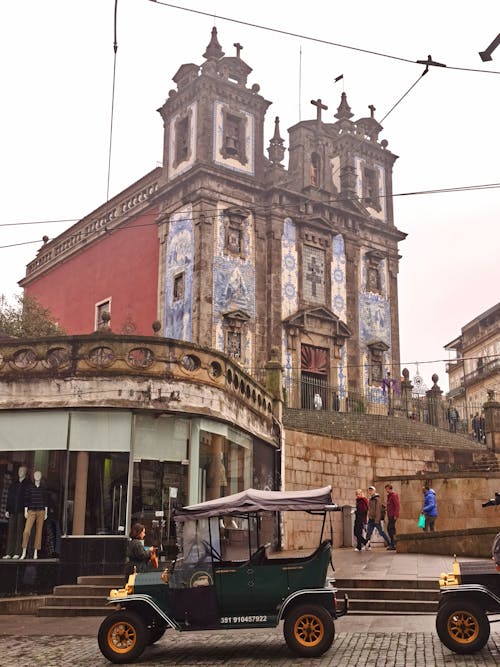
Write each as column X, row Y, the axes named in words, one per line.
column 392, row 515
column 375, row 517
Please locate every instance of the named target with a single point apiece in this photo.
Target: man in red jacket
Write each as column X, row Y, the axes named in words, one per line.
column 360, row 519
column 392, row 515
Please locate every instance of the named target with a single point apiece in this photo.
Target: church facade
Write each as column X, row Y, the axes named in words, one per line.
column 225, row 247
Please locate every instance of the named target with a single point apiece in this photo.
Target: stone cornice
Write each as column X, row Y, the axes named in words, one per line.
column 118, row 210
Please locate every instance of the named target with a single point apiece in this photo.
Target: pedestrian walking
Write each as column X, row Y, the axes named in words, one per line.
column 360, row 517
column 375, row 517
column 392, row 515
column 429, row 509
column 476, row 426
column 453, row 418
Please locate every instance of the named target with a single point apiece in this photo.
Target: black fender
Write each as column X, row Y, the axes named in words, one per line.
column 145, row 606
column 322, row 596
column 477, row 593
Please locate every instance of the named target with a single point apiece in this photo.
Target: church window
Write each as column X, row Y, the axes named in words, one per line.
column 370, row 189
column 101, row 308
column 234, row 232
column 233, row 344
column 376, row 362
column 233, row 136
column 315, row 165
column 373, row 279
column 178, row 291
column 314, row 274
column 314, row 377
column 181, row 140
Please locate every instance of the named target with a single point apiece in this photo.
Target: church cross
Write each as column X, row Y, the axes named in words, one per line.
column 317, row 103
column 372, row 110
column 238, row 49
column 314, row 275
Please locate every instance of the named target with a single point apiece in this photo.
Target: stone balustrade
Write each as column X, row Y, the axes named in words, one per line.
column 146, row 372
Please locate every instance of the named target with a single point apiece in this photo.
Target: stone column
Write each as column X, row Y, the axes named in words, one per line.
column 434, row 403
column 492, row 422
column 406, row 393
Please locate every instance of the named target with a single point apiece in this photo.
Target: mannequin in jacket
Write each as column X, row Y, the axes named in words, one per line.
column 35, row 512
column 15, row 513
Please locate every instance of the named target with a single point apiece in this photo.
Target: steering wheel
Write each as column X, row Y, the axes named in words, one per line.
column 212, row 550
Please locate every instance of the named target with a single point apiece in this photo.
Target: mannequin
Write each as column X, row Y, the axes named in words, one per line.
column 35, row 512
column 15, row 513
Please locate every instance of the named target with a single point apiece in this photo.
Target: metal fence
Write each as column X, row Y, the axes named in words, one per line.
column 315, row 394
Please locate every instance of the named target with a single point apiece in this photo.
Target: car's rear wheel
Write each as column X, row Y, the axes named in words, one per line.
column 309, row 630
column 462, row 626
column 122, row 636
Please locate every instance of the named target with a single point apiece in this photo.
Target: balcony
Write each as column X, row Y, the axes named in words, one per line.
column 482, row 372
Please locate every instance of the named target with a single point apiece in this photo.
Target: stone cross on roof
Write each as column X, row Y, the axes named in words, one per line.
column 372, row 110
column 238, row 49
column 318, row 104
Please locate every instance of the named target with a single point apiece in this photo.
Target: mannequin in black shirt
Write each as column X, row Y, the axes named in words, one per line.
column 15, row 513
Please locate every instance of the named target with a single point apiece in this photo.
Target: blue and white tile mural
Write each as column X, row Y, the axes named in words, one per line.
column 179, row 260
column 289, row 289
column 338, row 280
column 289, row 270
column 374, row 322
column 234, row 285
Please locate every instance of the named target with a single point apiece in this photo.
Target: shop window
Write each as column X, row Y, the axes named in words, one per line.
column 225, row 465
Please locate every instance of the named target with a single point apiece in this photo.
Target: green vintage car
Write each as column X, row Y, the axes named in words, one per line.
column 223, row 579
column 469, row 601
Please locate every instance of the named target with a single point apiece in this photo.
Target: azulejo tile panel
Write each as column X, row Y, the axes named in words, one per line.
column 179, row 260
column 289, row 270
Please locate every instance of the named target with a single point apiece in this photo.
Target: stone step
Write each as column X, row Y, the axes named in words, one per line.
column 71, row 590
column 113, row 581
column 76, row 600
column 402, row 584
column 393, row 606
column 74, row 611
column 414, row 594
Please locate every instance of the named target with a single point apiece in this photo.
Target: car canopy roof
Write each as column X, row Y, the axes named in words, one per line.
column 253, row 500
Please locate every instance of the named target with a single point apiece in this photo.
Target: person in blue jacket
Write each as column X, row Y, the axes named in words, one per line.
column 429, row 509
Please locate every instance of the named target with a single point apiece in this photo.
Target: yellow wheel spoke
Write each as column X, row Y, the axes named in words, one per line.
column 463, row 627
column 309, row 630
column 122, row 637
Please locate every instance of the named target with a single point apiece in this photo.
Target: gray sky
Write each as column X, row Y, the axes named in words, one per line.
column 56, row 81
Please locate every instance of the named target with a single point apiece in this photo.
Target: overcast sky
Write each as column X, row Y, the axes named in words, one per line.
column 56, row 82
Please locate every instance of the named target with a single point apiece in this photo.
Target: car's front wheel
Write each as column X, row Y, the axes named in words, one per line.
column 462, row 626
column 122, row 636
column 309, row 630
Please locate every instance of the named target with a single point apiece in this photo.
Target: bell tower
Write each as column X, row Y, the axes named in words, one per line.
column 213, row 118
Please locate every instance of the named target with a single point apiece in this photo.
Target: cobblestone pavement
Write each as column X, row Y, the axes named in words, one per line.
column 249, row 648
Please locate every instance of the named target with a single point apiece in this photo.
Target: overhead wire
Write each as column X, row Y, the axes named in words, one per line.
column 260, row 209
column 289, row 33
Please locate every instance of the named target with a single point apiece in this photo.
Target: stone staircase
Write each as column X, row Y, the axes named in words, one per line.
column 389, row 596
column 366, row 596
column 85, row 598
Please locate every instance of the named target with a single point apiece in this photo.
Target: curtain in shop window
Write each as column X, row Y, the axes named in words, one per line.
column 314, row 359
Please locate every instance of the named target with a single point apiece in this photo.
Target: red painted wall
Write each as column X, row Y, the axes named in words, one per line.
column 122, row 265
